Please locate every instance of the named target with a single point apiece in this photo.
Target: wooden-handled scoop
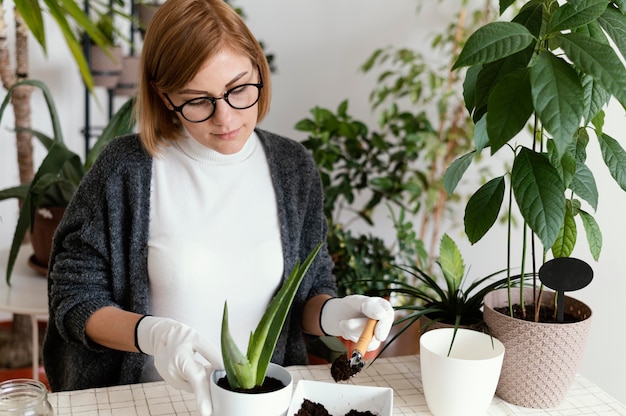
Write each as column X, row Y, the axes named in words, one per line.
column 343, row 367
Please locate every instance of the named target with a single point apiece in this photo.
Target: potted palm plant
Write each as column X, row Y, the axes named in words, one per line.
column 554, row 65
column 252, row 372
column 60, row 171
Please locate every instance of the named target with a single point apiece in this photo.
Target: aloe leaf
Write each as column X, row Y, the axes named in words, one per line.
column 539, row 194
column 482, row 209
column 509, row 108
column 493, row 41
column 264, row 339
column 594, row 235
column 566, row 239
column 614, row 157
column 575, row 14
column 597, row 59
column 557, row 95
column 234, row 359
column 456, row 170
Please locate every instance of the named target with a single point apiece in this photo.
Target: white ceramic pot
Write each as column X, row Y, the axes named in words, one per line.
column 230, row 403
column 463, row 382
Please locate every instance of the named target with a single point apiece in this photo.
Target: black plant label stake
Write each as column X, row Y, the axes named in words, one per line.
column 565, row 274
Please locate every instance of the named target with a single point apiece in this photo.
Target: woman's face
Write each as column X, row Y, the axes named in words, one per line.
column 228, row 128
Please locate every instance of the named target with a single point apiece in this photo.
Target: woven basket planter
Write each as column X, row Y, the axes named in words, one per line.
column 106, row 69
column 541, row 359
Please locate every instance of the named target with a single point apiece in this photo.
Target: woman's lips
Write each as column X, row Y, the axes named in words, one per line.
column 230, row 135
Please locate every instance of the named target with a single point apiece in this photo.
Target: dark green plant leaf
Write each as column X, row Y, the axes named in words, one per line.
column 572, row 15
column 481, row 138
column 614, row 23
column 557, row 96
column 594, row 235
column 493, row 41
column 510, row 106
column 584, row 185
column 505, row 4
column 595, row 98
column 566, row 240
column 565, row 164
column 598, row 60
column 539, row 194
column 614, row 158
column 469, row 87
column 456, row 170
column 482, row 209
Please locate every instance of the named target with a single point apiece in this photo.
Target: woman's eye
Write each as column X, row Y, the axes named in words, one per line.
column 238, row 90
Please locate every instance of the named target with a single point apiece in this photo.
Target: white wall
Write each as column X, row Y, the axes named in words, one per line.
column 319, row 45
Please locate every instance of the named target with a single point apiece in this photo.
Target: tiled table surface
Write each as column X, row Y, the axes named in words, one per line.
column 400, row 373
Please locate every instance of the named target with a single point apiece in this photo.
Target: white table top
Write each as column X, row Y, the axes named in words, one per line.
column 28, row 293
column 400, row 373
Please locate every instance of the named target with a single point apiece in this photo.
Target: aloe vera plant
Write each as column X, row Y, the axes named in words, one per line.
column 247, row 371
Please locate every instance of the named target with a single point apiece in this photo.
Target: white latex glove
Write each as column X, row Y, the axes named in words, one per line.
column 347, row 316
column 174, row 345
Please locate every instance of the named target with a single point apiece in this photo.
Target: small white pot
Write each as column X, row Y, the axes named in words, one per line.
column 230, row 403
column 464, row 382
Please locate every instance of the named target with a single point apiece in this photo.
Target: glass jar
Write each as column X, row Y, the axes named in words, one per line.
column 24, row 397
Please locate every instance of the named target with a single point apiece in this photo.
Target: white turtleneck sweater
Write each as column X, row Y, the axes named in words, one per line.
column 214, row 236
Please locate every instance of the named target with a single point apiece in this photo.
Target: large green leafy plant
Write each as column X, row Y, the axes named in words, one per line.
column 245, row 371
column 60, row 171
column 553, row 66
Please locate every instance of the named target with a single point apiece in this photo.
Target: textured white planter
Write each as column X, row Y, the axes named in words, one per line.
column 464, row 382
column 541, row 359
column 229, row 403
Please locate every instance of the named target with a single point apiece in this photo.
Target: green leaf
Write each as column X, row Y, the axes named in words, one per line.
column 594, row 235
column 456, row 170
column 250, row 370
column 584, row 185
column 451, row 263
column 614, row 23
column 493, row 41
column 557, row 96
column 566, row 240
column 482, row 209
column 539, row 194
column 614, row 157
column 572, row 15
column 594, row 100
column 234, row 359
column 598, row 60
column 509, row 108
column 30, row 10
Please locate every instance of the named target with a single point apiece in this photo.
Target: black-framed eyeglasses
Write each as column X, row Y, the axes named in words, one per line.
column 201, row 109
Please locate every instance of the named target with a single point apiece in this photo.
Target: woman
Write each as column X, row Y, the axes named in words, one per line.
column 200, row 207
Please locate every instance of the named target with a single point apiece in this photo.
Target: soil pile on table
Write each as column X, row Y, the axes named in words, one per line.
column 311, row 408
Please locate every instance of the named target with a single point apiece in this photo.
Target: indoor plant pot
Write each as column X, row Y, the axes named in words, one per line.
column 550, row 352
column 106, row 66
column 45, row 223
column 461, row 362
column 227, row 402
column 129, row 76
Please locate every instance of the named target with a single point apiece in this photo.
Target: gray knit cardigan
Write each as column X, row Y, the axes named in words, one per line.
column 99, row 258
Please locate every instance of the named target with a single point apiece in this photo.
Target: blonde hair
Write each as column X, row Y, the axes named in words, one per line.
column 182, row 35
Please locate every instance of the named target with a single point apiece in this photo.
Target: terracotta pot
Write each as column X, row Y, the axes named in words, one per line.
column 106, row 69
column 541, row 359
column 127, row 83
column 45, row 223
column 230, row 403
